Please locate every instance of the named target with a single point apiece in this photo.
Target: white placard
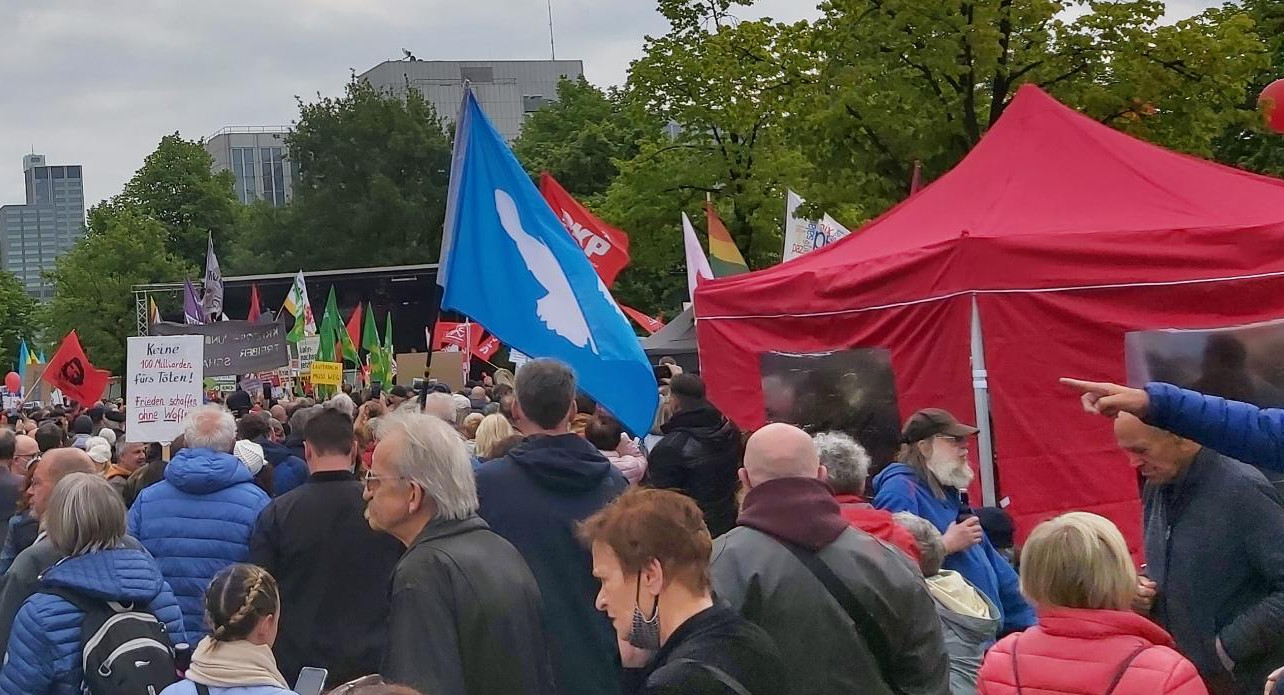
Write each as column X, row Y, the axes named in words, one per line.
column 804, row 236
column 308, row 347
column 163, row 380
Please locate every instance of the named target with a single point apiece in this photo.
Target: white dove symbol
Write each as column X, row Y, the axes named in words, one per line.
column 558, row 309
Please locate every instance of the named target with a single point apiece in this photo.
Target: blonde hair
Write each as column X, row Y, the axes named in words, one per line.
column 85, row 514
column 239, row 597
column 494, row 428
column 1078, row 560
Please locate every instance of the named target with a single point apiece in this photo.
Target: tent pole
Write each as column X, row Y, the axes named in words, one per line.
column 981, row 392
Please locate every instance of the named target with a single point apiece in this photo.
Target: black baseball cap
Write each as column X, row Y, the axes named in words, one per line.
column 930, row 422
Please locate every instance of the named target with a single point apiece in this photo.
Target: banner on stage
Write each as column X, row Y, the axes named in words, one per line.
column 327, row 373
column 233, row 348
column 163, row 376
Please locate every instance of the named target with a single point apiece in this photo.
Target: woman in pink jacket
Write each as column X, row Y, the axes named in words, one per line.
column 1076, row 569
column 606, row 433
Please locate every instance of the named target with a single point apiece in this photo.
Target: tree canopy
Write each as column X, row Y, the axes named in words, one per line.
column 18, row 319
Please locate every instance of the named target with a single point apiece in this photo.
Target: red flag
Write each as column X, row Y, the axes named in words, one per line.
column 647, row 323
column 354, row 331
column 487, row 348
column 607, row 248
column 254, row 304
column 455, row 336
column 70, row 371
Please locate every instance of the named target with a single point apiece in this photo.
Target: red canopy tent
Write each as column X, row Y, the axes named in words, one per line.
column 1052, row 239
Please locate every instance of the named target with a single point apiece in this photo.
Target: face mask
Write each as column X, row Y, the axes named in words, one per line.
column 645, row 633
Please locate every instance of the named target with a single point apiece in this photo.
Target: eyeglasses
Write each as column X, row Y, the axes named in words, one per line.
column 372, row 481
column 957, row 440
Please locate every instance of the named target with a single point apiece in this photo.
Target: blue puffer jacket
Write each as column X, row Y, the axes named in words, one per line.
column 898, row 489
column 1241, row 431
column 288, row 468
column 44, row 651
column 197, row 521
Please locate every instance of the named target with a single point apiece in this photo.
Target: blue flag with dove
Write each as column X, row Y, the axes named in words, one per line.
column 508, row 263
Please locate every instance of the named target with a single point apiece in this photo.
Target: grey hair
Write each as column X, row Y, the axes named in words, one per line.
column 545, row 391
column 434, row 458
column 846, row 461
column 85, row 514
column 210, row 427
column 441, row 406
column 122, row 444
column 931, row 547
column 299, row 420
column 342, row 402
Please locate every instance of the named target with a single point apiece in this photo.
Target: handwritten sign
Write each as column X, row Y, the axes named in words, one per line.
column 163, row 380
column 327, row 373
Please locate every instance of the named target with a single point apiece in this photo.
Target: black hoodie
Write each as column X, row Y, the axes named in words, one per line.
column 534, row 497
column 699, row 457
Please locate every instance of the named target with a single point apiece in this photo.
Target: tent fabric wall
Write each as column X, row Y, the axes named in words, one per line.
column 1069, row 234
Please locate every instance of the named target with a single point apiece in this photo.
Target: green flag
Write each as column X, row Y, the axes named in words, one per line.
column 370, row 343
column 389, row 354
column 329, row 330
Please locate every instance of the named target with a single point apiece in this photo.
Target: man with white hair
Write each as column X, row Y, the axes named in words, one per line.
column 847, row 467
column 342, row 402
column 849, row 614
column 198, row 520
column 465, row 615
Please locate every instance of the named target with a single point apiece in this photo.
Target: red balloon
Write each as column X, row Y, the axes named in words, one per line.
column 1271, row 101
column 13, row 382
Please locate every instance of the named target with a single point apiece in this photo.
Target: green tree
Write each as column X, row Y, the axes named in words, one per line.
column 1248, row 143
column 578, row 138
column 177, row 188
column 373, row 174
column 94, row 281
column 902, row 80
column 18, row 319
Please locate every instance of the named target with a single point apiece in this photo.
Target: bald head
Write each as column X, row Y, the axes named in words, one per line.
column 1158, row 455
column 781, row 451
column 55, row 465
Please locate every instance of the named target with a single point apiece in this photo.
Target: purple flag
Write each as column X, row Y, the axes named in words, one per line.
column 192, row 312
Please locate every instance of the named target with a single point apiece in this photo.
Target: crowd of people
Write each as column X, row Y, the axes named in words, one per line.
column 513, row 538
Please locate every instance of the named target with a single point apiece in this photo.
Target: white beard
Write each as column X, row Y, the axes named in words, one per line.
column 952, row 473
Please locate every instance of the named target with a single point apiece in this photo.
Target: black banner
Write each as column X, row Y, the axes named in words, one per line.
column 235, row 347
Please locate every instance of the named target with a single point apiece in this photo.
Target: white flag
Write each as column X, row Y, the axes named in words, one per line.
column 697, row 262
column 297, row 301
column 212, row 299
column 804, row 236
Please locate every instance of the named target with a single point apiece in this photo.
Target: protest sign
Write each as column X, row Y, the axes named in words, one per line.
column 411, row 366
column 10, row 401
column 164, row 380
column 308, row 347
column 448, row 368
column 327, row 373
column 235, row 347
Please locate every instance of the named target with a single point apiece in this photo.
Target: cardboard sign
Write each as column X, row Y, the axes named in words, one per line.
column 410, row 366
column 164, row 380
column 327, row 373
column 448, row 368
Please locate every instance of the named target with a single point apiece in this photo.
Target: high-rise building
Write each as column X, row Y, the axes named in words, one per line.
column 508, row 90
column 34, row 235
column 258, row 160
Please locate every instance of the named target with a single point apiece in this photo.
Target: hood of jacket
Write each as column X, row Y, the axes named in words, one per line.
column 892, row 472
column 274, row 452
column 951, row 592
column 1097, row 624
column 127, row 575
column 563, row 462
column 703, row 422
column 798, row 510
column 202, row 471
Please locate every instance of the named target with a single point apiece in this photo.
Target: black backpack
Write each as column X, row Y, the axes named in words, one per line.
column 124, row 648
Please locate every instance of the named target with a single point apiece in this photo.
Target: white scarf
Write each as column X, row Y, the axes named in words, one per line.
column 233, row 664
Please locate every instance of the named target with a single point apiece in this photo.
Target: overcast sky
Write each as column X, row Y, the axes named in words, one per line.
column 98, row 82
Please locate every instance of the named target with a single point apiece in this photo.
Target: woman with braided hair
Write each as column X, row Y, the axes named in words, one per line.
column 242, row 607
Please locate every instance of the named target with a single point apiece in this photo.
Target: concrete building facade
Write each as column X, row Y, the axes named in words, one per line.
column 258, row 159
column 33, row 235
column 508, row 90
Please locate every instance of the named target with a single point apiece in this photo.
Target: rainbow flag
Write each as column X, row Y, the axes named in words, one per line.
column 724, row 257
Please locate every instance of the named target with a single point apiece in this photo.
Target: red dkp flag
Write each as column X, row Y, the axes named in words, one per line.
column 648, row 324
column 607, row 248
column 487, row 348
column 449, row 335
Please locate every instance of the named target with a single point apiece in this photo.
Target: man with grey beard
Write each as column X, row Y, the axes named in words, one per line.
column 927, row 484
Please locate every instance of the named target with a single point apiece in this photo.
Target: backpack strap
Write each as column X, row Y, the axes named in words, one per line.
column 1016, row 673
column 870, row 632
column 201, row 688
column 721, row 676
column 1123, row 668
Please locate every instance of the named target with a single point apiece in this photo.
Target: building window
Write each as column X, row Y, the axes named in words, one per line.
column 273, row 168
column 244, row 170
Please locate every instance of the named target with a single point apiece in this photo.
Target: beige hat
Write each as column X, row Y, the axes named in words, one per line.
column 109, row 434
column 100, row 452
column 251, row 454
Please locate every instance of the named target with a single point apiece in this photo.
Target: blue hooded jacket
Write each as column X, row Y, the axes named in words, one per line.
column 197, row 521
column 1241, row 431
column 288, row 471
column 44, row 651
column 898, row 489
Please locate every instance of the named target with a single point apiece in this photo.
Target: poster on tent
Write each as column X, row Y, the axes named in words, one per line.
column 802, row 236
column 1241, row 363
column 163, row 376
column 852, row 391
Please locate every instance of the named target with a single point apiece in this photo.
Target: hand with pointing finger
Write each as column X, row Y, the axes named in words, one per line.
column 1110, row 399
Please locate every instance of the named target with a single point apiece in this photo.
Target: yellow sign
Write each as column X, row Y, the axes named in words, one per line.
column 327, row 373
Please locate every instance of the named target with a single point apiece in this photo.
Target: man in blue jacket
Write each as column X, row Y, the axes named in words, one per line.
column 927, row 485
column 534, row 497
column 1241, row 431
column 198, row 520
